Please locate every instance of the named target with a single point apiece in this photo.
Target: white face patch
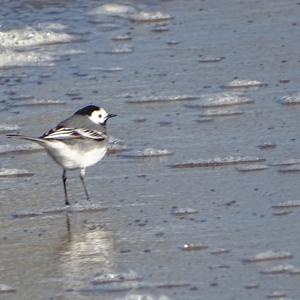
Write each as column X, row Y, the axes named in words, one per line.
column 99, row 116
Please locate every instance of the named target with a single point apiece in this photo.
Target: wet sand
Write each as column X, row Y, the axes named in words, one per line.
column 213, row 85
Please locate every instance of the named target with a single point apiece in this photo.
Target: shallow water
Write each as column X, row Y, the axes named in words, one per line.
column 202, row 80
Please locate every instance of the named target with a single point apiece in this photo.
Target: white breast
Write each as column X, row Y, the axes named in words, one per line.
column 72, row 157
column 93, row 156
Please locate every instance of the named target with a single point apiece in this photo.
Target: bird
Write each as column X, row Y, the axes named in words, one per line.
column 77, row 142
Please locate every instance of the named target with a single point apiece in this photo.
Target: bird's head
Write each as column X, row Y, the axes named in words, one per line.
column 96, row 114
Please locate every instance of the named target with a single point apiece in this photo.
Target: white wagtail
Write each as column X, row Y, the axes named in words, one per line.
column 77, row 142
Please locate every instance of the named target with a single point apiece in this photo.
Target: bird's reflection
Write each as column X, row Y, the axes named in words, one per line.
column 85, row 252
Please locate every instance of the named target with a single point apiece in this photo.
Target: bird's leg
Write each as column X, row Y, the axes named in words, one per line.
column 82, row 173
column 64, row 178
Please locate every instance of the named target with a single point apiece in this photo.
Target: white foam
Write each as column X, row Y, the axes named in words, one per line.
column 184, row 211
column 223, row 99
column 163, row 99
column 219, row 251
column 76, row 208
column 290, row 169
column 250, row 168
column 8, row 148
column 122, row 37
column 144, row 16
column 217, row 161
column 210, row 59
column 7, row 128
column 288, row 162
column 130, row 12
column 28, row 37
column 4, row 288
column 106, row 69
column 193, row 247
column 287, row 204
column 39, row 102
column 148, row 152
column 267, row 145
column 10, row 58
column 116, row 145
column 17, row 45
column 280, row 269
column 52, row 26
column 268, row 255
column 291, row 99
column 143, row 297
column 238, row 83
column 277, row 295
column 221, row 113
column 14, row 173
column 123, row 49
column 108, row 278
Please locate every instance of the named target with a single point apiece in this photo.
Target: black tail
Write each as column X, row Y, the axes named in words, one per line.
column 29, row 138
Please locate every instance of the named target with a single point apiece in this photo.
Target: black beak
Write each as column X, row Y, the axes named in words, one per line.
column 111, row 116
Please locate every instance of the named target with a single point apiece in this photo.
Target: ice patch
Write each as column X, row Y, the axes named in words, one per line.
column 268, row 255
column 218, row 161
column 291, row 100
column 148, row 152
column 130, row 12
column 244, row 84
column 15, row 173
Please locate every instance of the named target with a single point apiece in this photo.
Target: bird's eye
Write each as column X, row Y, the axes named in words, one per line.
column 100, row 116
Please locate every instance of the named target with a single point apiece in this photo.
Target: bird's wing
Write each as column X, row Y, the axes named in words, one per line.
column 61, row 133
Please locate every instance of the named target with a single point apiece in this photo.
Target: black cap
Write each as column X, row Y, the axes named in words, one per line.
column 87, row 110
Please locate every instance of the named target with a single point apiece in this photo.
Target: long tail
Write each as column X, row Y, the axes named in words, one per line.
column 29, row 138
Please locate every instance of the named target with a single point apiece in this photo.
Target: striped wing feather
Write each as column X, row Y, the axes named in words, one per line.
column 73, row 133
